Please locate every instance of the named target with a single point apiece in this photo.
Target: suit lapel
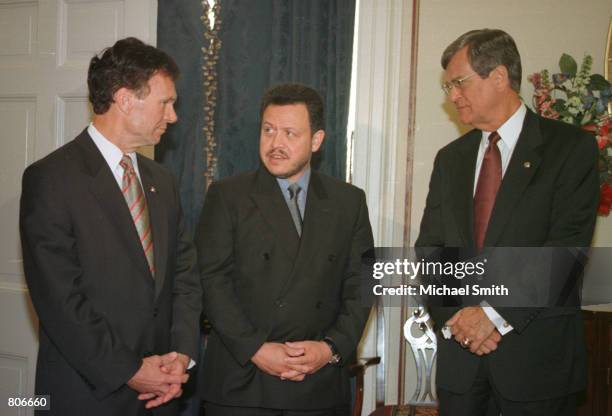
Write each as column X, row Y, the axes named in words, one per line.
column 523, row 165
column 159, row 227
column 104, row 188
column 268, row 197
column 462, row 185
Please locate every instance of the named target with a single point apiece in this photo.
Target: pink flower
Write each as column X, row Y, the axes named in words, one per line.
column 546, row 110
column 605, row 129
column 602, row 142
column 605, row 200
column 535, row 79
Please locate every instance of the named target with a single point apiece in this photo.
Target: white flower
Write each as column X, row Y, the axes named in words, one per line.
column 574, row 101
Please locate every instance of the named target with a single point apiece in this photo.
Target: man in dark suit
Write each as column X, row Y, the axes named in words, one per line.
column 516, row 180
column 109, row 266
column 280, row 253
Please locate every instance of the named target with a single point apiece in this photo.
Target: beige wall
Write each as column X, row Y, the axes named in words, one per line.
column 542, row 29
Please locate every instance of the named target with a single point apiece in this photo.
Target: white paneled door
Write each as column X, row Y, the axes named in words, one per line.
column 45, row 48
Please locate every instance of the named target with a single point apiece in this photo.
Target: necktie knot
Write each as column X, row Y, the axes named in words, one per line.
column 126, row 164
column 494, row 138
column 294, row 190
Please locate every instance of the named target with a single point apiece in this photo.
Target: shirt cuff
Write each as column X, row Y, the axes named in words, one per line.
column 500, row 323
column 191, row 364
column 446, row 332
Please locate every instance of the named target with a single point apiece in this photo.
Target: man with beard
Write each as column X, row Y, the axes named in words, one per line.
column 280, row 254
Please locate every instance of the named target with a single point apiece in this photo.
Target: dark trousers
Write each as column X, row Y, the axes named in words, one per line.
column 211, row 409
column 482, row 399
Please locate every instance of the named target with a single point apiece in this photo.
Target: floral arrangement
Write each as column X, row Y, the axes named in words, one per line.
column 578, row 97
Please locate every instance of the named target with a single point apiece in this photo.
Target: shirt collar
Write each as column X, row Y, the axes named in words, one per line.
column 111, row 153
column 303, row 181
column 511, row 129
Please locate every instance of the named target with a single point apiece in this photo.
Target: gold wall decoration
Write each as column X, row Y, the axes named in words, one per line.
column 209, row 73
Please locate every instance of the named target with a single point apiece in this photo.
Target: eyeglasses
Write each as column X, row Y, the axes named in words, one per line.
column 455, row 83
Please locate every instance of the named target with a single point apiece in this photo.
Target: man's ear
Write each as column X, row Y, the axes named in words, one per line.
column 124, row 100
column 317, row 140
column 500, row 76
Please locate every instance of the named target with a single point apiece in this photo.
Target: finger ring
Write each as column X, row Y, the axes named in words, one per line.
column 466, row 342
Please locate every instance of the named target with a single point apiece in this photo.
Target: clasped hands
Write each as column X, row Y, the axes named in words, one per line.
column 473, row 329
column 160, row 378
column 292, row 360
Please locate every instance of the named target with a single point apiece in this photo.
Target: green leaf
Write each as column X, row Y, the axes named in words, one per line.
column 598, row 83
column 587, row 117
column 568, row 65
column 559, row 106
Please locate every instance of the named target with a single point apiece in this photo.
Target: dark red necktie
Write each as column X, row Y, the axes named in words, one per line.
column 489, row 181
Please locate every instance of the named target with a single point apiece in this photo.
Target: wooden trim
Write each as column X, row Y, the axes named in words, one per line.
column 608, row 61
column 414, row 42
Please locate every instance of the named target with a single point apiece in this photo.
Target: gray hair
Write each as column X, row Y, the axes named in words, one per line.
column 487, row 49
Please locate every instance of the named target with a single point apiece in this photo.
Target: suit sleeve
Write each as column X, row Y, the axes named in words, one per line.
column 431, row 234
column 52, row 269
column 354, row 311
column 215, row 245
column 572, row 219
column 187, row 292
column 576, row 198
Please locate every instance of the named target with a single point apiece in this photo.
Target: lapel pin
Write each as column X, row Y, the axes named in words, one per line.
column 153, row 189
column 527, row 165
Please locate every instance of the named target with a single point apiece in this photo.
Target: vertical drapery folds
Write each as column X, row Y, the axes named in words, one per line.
column 226, row 68
column 180, row 34
column 209, row 72
column 267, row 42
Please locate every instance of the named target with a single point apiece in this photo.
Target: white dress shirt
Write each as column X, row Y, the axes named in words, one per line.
column 112, row 154
column 509, row 133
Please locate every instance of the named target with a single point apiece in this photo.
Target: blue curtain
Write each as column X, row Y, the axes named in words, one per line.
column 180, row 33
column 264, row 42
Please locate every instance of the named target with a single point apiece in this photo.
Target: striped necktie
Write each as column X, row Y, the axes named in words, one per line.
column 137, row 203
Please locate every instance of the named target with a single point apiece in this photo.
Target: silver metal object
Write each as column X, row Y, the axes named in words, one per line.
column 424, row 348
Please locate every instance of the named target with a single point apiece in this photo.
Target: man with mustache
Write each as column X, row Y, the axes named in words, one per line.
column 515, row 180
column 110, row 268
column 280, row 253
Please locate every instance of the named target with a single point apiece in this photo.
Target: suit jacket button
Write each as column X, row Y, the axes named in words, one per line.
column 331, row 257
column 266, row 256
column 279, row 303
column 155, row 312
